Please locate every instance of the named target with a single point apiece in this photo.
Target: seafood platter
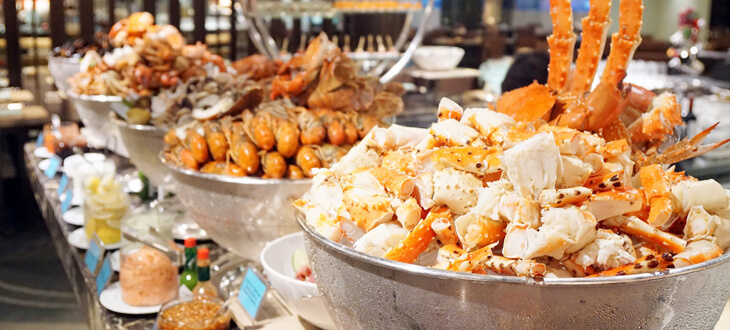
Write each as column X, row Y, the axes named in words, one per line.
column 559, row 207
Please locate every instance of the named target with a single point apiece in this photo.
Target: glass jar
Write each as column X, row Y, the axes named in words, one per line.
column 105, row 203
column 155, row 215
column 193, row 313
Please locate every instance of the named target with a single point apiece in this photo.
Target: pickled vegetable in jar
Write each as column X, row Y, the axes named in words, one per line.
column 105, row 203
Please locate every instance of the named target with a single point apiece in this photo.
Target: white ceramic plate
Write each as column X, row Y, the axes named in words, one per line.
column 42, row 152
column 76, row 201
column 111, row 299
column 74, row 216
column 116, row 260
column 75, row 160
column 78, row 239
column 43, row 165
column 181, row 231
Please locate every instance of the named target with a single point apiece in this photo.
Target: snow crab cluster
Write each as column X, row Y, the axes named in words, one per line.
column 146, row 59
column 480, row 192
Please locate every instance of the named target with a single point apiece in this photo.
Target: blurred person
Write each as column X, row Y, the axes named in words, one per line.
column 526, row 68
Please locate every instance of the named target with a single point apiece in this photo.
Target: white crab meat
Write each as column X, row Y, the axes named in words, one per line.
column 560, row 197
column 613, row 203
column 708, row 193
column 448, row 253
column 702, row 225
column 423, row 191
column 454, row 133
column 696, row 252
column 409, row 213
column 594, row 160
column 490, row 124
column 517, row 209
column 489, row 197
column 725, row 212
column 575, row 172
column 324, row 207
column 609, row 250
column 366, row 200
column 396, row 136
column 456, row 189
column 361, row 155
column 563, row 231
column 381, row 239
column 533, row 165
column 475, row 232
column 449, row 109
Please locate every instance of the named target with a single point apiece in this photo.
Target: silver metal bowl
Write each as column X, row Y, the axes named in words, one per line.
column 366, row 292
column 94, row 113
column 63, row 68
column 240, row 214
column 144, row 143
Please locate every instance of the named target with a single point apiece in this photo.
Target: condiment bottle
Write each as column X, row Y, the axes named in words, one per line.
column 204, row 287
column 189, row 276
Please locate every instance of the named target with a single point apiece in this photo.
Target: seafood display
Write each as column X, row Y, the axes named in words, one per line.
column 78, row 48
column 146, row 59
column 559, row 181
column 479, row 192
column 312, row 112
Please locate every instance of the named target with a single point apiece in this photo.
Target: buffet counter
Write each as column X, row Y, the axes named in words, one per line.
column 82, row 281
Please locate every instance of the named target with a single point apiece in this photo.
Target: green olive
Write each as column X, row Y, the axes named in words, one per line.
column 138, row 116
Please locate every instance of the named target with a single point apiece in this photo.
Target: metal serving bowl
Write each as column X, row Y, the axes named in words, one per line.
column 144, row 143
column 94, row 113
column 367, row 292
column 63, row 68
column 240, row 214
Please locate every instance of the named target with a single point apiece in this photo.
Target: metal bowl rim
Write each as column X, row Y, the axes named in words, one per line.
column 246, row 180
column 452, row 275
column 134, row 127
column 95, row 98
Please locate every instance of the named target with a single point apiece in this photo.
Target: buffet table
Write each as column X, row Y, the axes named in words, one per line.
column 83, row 283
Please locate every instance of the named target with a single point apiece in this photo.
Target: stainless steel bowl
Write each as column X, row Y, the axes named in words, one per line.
column 94, row 113
column 144, row 143
column 366, row 292
column 63, row 68
column 240, row 214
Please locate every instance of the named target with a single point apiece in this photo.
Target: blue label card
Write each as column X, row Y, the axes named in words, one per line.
column 62, row 185
column 67, row 201
column 252, row 292
column 104, row 274
column 55, row 162
column 39, row 141
column 93, row 254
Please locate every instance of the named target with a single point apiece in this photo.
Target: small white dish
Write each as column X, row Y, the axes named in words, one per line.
column 116, row 260
column 74, row 216
column 42, row 152
column 302, row 297
column 78, row 239
column 181, row 231
column 73, row 161
column 43, row 165
column 111, row 299
column 76, row 201
column 437, row 58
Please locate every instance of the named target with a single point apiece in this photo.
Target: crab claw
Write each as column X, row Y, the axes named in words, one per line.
column 685, row 149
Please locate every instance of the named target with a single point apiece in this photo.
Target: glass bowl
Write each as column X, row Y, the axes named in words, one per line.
column 193, row 313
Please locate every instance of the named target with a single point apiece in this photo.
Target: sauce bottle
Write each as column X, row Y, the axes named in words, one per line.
column 189, row 276
column 204, row 287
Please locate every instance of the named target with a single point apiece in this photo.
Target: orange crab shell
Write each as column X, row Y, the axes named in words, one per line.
column 528, row 103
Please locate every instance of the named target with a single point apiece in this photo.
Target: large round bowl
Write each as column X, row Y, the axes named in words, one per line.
column 94, row 113
column 144, row 143
column 63, row 68
column 240, row 214
column 366, row 292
